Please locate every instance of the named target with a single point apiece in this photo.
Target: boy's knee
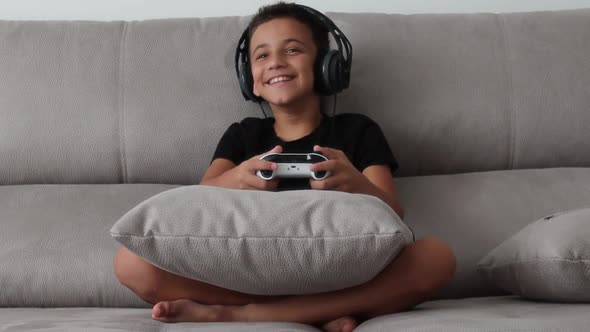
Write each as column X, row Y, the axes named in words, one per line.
column 136, row 274
column 121, row 265
column 440, row 262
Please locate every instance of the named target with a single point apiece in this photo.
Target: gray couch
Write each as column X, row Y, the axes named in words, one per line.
column 488, row 115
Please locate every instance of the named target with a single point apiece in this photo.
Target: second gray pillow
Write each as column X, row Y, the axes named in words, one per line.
column 547, row 260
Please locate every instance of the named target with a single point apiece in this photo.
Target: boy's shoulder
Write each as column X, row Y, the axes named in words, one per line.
column 356, row 119
column 252, row 123
column 346, row 120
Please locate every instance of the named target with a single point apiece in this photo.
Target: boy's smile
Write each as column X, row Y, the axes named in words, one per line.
column 278, row 79
column 282, row 58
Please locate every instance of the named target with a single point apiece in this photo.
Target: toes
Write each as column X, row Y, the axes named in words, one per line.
column 161, row 311
column 157, row 310
column 342, row 324
column 184, row 310
column 348, row 326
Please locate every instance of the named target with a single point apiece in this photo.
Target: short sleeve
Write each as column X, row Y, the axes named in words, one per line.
column 374, row 149
column 230, row 145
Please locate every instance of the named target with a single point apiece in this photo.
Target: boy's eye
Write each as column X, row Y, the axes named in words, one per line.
column 261, row 56
column 292, row 50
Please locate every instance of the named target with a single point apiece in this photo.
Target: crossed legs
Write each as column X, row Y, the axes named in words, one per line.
column 419, row 270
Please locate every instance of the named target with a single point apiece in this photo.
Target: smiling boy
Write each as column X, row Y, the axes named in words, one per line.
column 284, row 44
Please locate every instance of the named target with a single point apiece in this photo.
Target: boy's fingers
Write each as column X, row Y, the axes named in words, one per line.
column 328, row 165
column 264, row 165
column 327, row 152
column 271, row 185
column 257, row 164
column 254, row 183
column 260, row 165
column 261, row 184
column 325, row 184
column 276, row 149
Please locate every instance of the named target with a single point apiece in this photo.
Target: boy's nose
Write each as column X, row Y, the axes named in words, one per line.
column 276, row 65
column 277, row 61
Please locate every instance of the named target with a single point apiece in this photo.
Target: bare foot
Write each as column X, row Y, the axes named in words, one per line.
column 190, row 311
column 342, row 324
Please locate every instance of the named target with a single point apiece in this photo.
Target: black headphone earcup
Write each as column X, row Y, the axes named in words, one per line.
column 246, row 82
column 332, row 72
column 318, row 73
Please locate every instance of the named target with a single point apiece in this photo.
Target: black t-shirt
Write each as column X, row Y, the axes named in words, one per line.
column 359, row 137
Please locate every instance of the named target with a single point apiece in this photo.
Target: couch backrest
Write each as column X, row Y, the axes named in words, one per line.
column 147, row 101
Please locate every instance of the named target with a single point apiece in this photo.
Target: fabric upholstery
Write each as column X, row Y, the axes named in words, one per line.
column 55, row 248
column 93, row 103
column 475, row 212
column 59, row 102
column 122, row 319
column 37, row 220
column 265, row 243
column 147, row 101
column 486, row 314
column 547, row 260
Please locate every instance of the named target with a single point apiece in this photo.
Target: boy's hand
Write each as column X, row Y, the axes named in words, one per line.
column 244, row 175
column 344, row 176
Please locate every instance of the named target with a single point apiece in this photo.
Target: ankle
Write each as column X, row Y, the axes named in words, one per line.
column 246, row 313
column 224, row 313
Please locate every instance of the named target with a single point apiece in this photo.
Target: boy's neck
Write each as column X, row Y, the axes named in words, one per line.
column 294, row 122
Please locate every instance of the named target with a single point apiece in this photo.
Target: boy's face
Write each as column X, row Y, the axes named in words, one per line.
column 282, row 53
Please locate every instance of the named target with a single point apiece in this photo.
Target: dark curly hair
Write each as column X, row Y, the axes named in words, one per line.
column 280, row 10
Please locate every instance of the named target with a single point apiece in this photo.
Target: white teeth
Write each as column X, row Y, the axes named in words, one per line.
column 279, row 79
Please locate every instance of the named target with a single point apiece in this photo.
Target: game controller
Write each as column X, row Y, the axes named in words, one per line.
column 293, row 165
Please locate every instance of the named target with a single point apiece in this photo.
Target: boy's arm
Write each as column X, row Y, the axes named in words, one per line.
column 225, row 173
column 382, row 186
column 375, row 180
column 212, row 175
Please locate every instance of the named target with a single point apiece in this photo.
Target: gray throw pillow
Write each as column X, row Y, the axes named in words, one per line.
column 547, row 260
column 266, row 243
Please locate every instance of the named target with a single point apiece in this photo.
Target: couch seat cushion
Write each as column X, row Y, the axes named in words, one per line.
column 483, row 314
column 121, row 319
column 55, row 247
column 503, row 313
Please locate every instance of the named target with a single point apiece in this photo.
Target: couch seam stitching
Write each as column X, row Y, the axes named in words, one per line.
column 260, row 237
column 510, row 95
column 537, row 260
column 122, row 144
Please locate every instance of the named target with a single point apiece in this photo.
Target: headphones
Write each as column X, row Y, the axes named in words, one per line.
column 331, row 68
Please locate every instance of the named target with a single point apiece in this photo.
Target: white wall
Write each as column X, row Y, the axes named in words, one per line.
column 146, row 9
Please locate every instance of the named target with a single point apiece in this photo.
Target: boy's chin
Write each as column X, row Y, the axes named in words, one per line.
column 285, row 101
column 280, row 102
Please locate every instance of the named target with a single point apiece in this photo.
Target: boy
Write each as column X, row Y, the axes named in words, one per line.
column 284, row 41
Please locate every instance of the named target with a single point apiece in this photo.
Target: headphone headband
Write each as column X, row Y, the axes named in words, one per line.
column 339, row 37
column 334, row 67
